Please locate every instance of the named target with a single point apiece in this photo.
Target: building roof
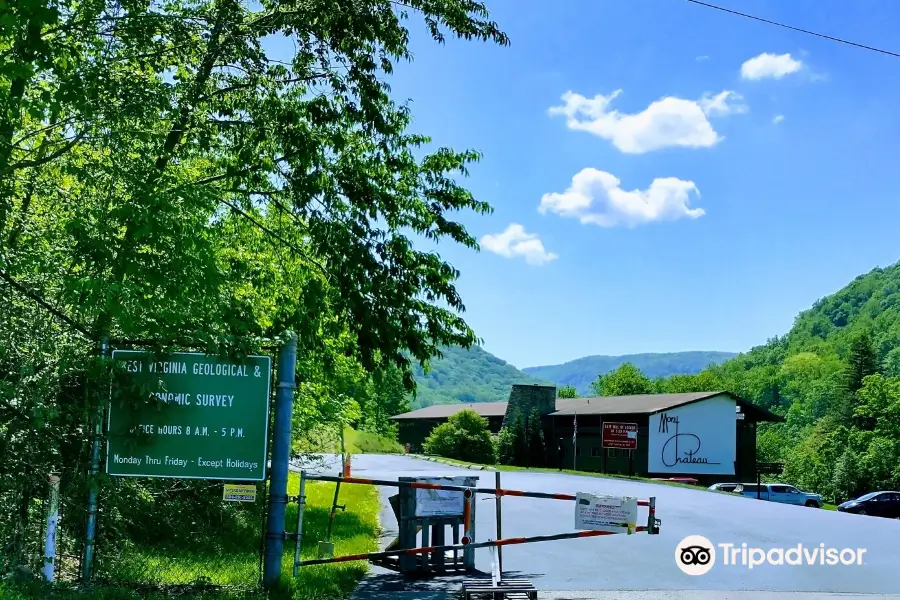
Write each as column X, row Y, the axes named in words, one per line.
column 635, row 404
column 651, row 403
column 444, row 411
column 603, row 405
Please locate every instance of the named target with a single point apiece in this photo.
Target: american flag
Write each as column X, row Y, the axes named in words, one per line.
column 575, row 428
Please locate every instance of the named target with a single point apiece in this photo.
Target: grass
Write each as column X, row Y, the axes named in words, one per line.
column 355, row 531
column 355, row 442
column 363, row 442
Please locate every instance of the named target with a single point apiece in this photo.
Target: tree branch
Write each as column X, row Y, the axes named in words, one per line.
column 26, row 164
column 45, row 305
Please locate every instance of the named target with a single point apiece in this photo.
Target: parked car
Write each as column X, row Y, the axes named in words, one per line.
column 877, row 504
column 735, row 488
column 785, row 494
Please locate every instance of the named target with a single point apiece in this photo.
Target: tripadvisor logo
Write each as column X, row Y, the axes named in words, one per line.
column 696, row 555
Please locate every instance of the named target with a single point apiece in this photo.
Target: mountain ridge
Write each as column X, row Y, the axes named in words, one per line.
column 581, row 372
column 476, row 375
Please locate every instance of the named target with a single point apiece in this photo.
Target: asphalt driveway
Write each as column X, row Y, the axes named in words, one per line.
column 644, row 564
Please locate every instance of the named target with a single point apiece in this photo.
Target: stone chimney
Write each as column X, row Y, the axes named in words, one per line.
column 525, row 398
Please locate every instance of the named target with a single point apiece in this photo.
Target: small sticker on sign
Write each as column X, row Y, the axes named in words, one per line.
column 239, row 493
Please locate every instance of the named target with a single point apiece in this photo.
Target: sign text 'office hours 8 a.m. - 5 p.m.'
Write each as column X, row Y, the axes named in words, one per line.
column 190, row 416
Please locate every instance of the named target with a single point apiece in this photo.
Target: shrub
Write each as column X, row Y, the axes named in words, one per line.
column 465, row 436
column 506, row 446
column 535, row 440
column 513, row 442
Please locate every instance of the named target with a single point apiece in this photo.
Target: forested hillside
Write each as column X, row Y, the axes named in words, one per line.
column 580, row 373
column 835, row 377
column 467, row 376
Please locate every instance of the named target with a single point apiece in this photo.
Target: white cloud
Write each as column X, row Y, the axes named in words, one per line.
column 667, row 122
column 515, row 242
column 723, row 104
column 777, row 119
column 765, row 65
column 701, row 58
column 596, row 197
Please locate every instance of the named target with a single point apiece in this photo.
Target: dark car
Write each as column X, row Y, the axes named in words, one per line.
column 877, row 504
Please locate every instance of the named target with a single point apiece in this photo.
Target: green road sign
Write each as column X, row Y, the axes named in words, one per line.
column 195, row 416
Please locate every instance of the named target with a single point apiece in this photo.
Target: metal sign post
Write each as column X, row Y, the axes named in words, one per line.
column 281, row 449
column 87, row 561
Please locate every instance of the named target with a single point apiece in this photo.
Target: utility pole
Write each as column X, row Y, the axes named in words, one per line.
column 281, row 448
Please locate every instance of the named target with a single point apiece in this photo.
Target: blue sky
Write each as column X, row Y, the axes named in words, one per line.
column 749, row 221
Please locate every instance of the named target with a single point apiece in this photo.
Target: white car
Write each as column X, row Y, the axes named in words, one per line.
column 736, row 488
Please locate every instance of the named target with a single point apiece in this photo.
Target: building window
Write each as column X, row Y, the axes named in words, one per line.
column 595, row 452
column 619, row 453
column 577, row 450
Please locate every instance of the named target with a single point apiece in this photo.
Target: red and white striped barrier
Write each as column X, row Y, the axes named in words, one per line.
column 450, row 488
column 487, row 544
column 652, row 526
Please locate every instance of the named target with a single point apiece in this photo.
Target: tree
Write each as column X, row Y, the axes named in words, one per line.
column 506, row 446
column 846, row 477
column 520, row 440
column 512, row 443
column 891, row 364
column 705, row 381
column 165, row 180
column 624, row 381
column 465, row 436
column 567, row 391
column 862, row 361
column 537, row 451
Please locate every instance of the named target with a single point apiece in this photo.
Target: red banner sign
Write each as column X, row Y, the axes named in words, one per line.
column 620, row 435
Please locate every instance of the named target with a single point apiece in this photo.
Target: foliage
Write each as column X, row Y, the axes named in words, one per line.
column 581, row 373
column 169, row 180
column 567, row 391
column 624, row 381
column 355, row 531
column 465, row 376
column 364, row 442
column 465, row 436
column 862, row 361
column 510, row 440
column 326, row 440
column 521, row 441
column 537, row 450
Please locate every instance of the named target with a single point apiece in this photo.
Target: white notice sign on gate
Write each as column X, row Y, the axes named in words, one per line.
column 615, row 514
column 441, row 503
